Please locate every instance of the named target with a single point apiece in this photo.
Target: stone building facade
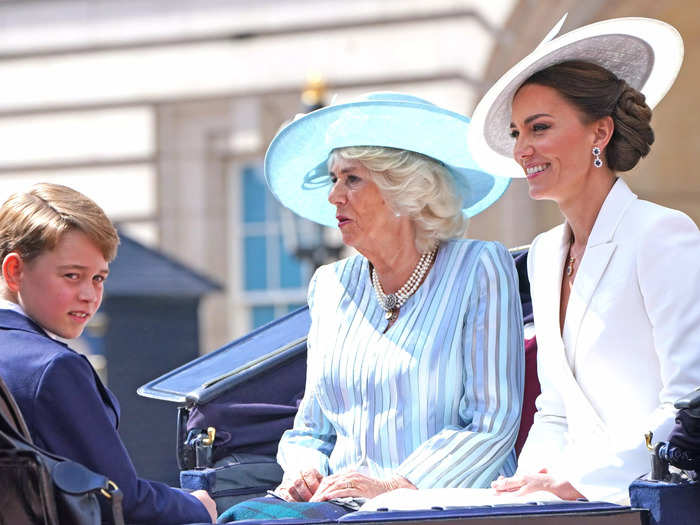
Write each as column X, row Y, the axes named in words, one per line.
column 162, row 111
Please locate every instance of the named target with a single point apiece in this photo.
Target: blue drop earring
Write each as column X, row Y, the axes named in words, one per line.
column 597, row 162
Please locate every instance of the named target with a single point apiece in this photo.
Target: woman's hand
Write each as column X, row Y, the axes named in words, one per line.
column 302, row 488
column 356, row 485
column 529, row 483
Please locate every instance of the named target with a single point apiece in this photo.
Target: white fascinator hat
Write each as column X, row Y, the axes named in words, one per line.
column 644, row 52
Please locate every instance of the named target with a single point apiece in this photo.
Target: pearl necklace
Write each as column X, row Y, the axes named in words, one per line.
column 391, row 303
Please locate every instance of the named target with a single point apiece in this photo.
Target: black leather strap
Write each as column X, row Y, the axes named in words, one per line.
column 10, row 412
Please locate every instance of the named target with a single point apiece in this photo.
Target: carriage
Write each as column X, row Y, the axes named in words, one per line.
column 235, row 403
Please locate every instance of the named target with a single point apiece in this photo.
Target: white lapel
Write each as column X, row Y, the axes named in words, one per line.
column 550, row 256
column 550, row 263
column 597, row 255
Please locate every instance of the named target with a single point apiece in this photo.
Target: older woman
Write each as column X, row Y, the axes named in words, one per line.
column 415, row 351
column 615, row 288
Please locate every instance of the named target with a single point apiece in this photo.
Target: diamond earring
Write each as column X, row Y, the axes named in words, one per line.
column 596, row 161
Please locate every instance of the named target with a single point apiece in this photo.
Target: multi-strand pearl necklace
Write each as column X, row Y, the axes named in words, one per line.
column 391, row 303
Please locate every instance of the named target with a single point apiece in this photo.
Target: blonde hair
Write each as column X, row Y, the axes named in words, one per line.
column 33, row 222
column 413, row 185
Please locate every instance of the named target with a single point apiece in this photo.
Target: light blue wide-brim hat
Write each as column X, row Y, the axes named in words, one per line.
column 296, row 168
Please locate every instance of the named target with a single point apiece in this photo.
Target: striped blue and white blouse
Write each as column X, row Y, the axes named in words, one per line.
column 435, row 399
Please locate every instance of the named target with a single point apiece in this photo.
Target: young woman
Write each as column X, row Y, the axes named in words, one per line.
column 614, row 288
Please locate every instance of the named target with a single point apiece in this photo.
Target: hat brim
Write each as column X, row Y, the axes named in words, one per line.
column 646, row 53
column 295, row 162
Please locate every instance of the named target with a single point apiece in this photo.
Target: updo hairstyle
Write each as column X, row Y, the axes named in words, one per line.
column 416, row 186
column 598, row 93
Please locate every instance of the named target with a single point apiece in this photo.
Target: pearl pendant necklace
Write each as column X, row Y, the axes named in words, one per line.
column 391, row 303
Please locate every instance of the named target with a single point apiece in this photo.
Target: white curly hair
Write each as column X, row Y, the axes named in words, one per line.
column 414, row 185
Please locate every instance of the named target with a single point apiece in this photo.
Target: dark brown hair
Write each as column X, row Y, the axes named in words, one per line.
column 598, row 93
column 33, row 222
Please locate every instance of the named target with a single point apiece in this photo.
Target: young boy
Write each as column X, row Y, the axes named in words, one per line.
column 55, row 246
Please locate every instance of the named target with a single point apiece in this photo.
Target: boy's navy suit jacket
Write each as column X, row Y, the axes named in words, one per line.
column 71, row 413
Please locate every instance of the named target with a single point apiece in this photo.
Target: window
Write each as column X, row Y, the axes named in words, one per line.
column 274, row 280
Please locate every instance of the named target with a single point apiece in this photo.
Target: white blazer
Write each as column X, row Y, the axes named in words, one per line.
column 633, row 328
